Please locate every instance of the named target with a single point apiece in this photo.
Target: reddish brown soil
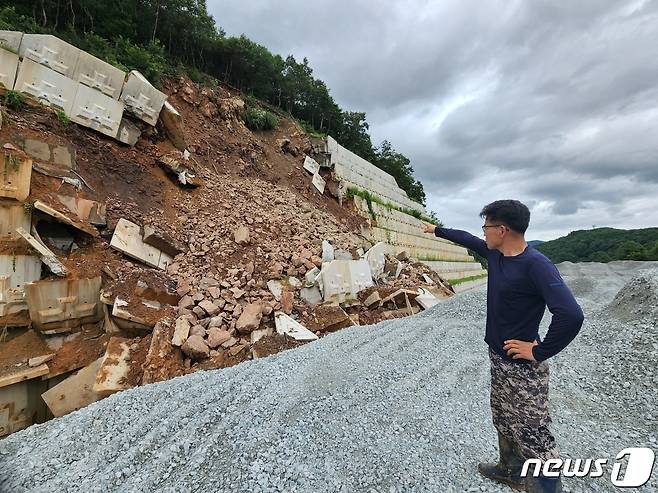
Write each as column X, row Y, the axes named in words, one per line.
column 15, row 353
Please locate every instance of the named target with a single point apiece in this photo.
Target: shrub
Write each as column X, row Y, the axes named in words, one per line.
column 14, row 100
column 63, row 118
column 257, row 119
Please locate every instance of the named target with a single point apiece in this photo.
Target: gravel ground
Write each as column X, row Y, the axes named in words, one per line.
column 398, row 406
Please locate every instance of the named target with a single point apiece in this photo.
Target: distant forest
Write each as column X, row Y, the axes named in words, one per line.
column 170, row 37
column 603, row 245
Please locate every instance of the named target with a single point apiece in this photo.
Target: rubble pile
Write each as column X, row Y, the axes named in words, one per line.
column 131, row 265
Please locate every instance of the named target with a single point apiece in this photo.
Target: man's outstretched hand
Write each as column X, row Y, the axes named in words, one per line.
column 520, row 349
column 429, row 228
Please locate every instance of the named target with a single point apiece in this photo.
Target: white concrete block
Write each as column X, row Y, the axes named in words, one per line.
column 61, row 305
column 15, row 272
column 15, row 175
column 51, row 52
column 12, row 215
column 8, row 68
column 97, row 111
column 345, row 278
column 426, row 299
column 318, row 182
column 46, row 85
column 376, row 259
column 97, row 74
column 75, row 392
column 311, row 165
column 11, row 40
column 127, row 239
column 141, row 98
column 289, row 326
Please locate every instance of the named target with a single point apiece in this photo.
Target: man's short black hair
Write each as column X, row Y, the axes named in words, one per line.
column 512, row 213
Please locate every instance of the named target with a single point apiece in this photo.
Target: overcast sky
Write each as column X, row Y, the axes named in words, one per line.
column 554, row 103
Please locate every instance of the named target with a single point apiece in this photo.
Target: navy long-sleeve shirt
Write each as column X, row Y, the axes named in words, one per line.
column 519, row 288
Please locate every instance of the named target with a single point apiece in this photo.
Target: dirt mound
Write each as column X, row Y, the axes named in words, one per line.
column 638, row 299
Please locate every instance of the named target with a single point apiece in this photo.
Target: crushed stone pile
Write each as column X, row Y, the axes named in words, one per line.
column 638, row 299
column 402, row 405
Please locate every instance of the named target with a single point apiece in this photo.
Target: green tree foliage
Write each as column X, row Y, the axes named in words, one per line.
column 158, row 37
column 603, row 245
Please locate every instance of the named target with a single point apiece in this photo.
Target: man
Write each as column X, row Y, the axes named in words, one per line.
column 521, row 283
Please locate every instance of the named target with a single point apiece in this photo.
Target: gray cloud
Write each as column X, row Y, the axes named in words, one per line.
column 554, row 103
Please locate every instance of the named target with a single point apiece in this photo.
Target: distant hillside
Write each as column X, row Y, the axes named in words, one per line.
column 534, row 243
column 603, row 245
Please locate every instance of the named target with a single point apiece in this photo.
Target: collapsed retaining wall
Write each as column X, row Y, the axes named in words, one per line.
column 392, row 222
column 88, row 90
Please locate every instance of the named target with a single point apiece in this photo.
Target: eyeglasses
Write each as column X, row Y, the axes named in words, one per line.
column 484, row 228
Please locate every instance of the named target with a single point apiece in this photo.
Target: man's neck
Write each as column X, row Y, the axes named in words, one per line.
column 513, row 249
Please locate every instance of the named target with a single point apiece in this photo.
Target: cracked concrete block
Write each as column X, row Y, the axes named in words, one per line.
column 162, row 241
column 345, row 278
column 127, row 238
column 113, row 374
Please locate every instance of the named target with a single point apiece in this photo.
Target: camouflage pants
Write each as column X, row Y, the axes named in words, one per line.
column 519, row 406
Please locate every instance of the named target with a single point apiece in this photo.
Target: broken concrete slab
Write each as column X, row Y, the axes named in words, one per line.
column 426, row 299
column 276, row 288
column 129, row 321
column 16, row 174
column 128, row 133
column 162, row 241
column 258, row 334
column 75, row 392
column 86, row 210
column 127, row 239
column 311, row 165
column 116, row 365
column 174, row 126
column 343, row 279
column 376, row 259
column 63, row 217
column 327, row 251
column 401, row 297
column 311, row 295
column 40, row 360
column 62, row 305
column 12, row 215
column 184, row 175
column 373, row 299
column 47, row 256
column 289, row 326
column 318, row 182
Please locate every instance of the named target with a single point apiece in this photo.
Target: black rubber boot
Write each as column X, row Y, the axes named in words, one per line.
column 543, row 484
column 508, row 469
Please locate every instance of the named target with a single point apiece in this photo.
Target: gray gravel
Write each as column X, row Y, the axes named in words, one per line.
column 398, row 406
